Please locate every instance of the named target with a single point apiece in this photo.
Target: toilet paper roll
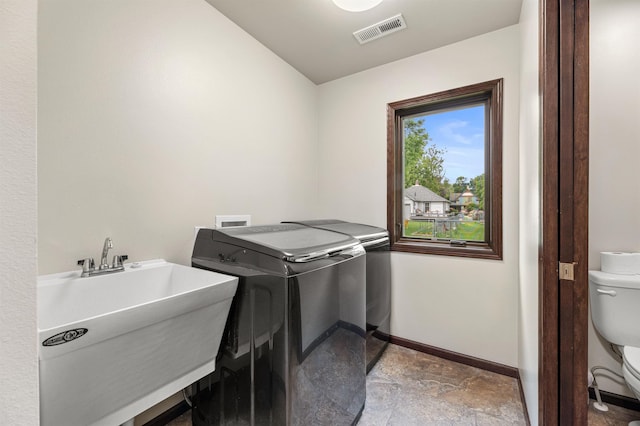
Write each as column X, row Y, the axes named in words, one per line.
column 620, row 263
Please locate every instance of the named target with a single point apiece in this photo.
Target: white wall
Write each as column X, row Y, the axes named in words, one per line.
column 529, row 200
column 153, row 119
column 154, row 116
column 18, row 222
column 614, row 197
column 464, row 305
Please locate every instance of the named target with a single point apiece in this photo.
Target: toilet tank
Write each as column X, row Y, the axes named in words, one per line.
column 615, row 307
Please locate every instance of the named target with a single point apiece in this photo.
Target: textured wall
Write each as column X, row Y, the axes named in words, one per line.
column 154, row 116
column 18, row 269
column 464, row 305
column 529, row 196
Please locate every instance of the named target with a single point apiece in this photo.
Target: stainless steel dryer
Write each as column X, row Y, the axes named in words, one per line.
column 376, row 243
column 293, row 350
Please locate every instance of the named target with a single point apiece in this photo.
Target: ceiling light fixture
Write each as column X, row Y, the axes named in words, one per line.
column 357, row 5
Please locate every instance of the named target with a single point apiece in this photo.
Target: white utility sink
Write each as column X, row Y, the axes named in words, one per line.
column 111, row 346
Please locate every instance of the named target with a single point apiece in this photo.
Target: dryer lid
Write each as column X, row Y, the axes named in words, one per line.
column 632, row 359
column 367, row 234
column 290, row 242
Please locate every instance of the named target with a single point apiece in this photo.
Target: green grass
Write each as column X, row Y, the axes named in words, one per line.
column 468, row 230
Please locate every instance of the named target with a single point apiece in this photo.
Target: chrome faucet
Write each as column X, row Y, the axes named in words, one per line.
column 88, row 265
column 108, row 244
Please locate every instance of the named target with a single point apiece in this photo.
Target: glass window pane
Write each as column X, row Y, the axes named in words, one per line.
column 444, row 174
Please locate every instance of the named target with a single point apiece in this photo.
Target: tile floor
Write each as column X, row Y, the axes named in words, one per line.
column 409, row 388
column 616, row 416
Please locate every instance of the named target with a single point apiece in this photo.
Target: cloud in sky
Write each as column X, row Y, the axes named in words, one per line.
column 463, row 162
column 461, row 133
column 454, row 131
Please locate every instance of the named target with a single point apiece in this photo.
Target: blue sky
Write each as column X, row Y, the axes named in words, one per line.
column 461, row 133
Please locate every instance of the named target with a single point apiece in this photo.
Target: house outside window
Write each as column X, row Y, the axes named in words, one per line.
column 444, row 179
column 425, row 202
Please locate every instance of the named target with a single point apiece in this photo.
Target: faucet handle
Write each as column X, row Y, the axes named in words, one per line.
column 87, row 264
column 118, row 259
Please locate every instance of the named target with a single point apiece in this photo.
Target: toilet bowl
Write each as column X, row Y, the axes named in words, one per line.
column 631, row 373
column 614, row 300
column 631, row 368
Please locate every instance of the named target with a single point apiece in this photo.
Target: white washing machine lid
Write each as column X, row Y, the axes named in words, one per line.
column 631, row 357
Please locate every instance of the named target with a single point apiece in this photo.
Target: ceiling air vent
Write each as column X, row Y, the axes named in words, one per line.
column 381, row 29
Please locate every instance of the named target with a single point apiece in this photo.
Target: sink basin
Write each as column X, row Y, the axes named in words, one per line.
column 111, row 346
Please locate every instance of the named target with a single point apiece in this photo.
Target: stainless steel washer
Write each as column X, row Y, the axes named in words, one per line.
column 375, row 241
column 293, row 351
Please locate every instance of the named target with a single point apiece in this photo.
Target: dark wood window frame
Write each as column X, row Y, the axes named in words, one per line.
column 489, row 92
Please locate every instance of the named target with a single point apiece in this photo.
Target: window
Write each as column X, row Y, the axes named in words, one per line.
column 444, row 172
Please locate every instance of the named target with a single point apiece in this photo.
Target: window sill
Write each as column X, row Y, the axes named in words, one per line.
column 472, row 250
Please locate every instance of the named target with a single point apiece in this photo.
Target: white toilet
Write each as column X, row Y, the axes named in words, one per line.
column 615, row 312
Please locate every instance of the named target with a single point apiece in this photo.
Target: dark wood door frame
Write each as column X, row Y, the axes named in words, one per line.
column 564, row 85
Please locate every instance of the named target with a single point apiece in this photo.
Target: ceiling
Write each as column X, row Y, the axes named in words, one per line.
column 316, row 37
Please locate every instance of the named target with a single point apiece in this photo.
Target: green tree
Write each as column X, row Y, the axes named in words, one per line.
column 471, row 206
column 415, row 141
column 423, row 161
column 445, row 188
column 460, row 185
column 477, row 187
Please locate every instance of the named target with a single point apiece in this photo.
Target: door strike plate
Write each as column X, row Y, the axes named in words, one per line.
column 565, row 271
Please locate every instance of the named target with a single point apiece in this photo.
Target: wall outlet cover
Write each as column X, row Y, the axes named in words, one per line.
column 233, row 221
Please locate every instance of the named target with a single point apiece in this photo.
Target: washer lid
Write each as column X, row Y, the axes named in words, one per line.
column 631, row 357
column 290, row 242
column 365, row 233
